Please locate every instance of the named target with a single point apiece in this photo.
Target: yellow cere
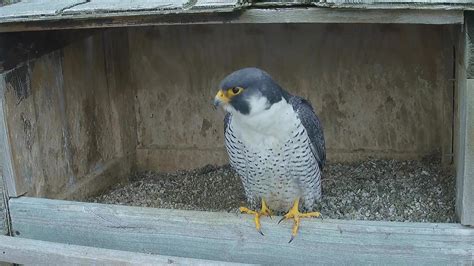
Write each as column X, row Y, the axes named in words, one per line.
column 225, row 96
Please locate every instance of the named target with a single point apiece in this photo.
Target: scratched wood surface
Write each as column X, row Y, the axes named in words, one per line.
column 97, row 6
column 33, row 15
column 29, row 8
column 232, row 237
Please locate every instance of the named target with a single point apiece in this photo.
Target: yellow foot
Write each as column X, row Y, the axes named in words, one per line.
column 265, row 211
column 295, row 214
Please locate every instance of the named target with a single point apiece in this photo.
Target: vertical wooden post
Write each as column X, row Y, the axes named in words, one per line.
column 7, row 182
column 465, row 122
column 7, row 170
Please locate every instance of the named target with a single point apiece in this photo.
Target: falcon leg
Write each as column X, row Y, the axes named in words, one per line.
column 265, row 211
column 295, row 214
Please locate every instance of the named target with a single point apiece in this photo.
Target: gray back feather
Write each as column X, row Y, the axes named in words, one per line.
column 313, row 127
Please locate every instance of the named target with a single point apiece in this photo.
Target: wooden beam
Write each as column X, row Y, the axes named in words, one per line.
column 232, row 237
column 464, row 152
column 6, row 165
column 268, row 15
column 326, row 15
column 36, row 252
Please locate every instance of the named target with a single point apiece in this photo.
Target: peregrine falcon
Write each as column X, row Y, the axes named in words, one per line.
column 275, row 143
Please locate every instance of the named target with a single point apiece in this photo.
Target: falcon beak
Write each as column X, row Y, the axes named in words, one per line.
column 220, row 98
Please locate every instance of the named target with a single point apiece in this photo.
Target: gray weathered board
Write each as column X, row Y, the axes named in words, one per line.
column 232, row 237
column 40, row 15
column 5, row 165
column 3, row 213
column 464, row 124
column 465, row 175
column 64, row 9
column 31, row 8
column 107, row 6
column 268, row 15
column 37, row 252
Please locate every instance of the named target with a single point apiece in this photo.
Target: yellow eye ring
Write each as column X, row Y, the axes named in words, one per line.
column 234, row 91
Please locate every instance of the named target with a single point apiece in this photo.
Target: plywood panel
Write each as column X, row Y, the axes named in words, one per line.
column 379, row 89
column 87, row 104
column 34, row 124
column 70, row 119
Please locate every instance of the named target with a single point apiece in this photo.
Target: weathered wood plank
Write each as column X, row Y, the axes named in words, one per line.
column 6, row 164
column 273, row 15
column 465, row 157
column 469, row 44
column 36, row 252
column 232, row 237
column 212, row 4
column 412, row 2
column 108, row 6
column 313, row 15
column 100, row 6
column 464, row 152
column 36, row 8
column 3, row 209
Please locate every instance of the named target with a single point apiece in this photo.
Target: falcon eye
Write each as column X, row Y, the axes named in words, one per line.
column 235, row 91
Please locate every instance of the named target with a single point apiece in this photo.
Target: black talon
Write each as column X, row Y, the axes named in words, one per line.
column 260, row 231
column 281, row 220
column 291, row 239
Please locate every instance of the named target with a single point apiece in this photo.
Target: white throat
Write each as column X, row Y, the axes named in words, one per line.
column 268, row 128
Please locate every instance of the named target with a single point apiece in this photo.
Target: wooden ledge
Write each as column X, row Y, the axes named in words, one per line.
column 233, row 238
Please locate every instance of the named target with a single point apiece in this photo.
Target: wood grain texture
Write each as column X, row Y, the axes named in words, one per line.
column 202, row 4
column 336, row 67
column 3, row 210
column 6, row 164
column 29, row 8
column 468, row 183
column 99, row 6
column 465, row 156
column 223, row 14
column 324, row 15
column 464, row 126
column 469, row 44
column 35, row 252
column 232, row 237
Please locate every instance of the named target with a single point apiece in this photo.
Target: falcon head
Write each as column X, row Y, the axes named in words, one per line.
column 248, row 91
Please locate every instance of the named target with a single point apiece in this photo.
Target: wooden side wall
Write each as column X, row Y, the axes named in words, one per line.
column 68, row 118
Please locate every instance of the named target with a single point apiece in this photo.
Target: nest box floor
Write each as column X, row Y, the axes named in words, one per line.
column 415, row 191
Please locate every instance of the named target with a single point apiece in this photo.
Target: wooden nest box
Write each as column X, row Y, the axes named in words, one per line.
column 91, row 91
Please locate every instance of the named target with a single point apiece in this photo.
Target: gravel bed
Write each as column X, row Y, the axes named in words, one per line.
column 415, row 191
